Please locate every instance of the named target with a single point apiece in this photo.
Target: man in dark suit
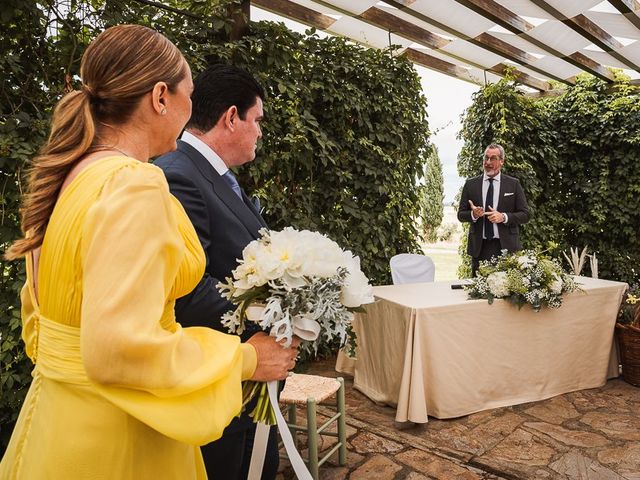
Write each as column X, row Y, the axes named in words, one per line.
column 495, row 205
column 222, row 133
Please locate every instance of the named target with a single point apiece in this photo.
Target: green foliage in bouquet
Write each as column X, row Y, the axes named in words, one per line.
column 527, row 277
column 629, row 313
column 295, row 283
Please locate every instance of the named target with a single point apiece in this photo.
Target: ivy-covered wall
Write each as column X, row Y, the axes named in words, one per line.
column 345, row 135
column 345, row 144
column 577, row 157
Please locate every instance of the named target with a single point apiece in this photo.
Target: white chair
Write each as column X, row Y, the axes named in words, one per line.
column 411, row 268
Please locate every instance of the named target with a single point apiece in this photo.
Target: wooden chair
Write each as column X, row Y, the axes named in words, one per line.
column 312, row 390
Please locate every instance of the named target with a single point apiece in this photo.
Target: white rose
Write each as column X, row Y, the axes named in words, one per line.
column 250, row 252
column 556, row 285
column 246, row 277
column 323, row 255
column 525, row 261
column 356, row 290
column 268, row 266
column 497, row 283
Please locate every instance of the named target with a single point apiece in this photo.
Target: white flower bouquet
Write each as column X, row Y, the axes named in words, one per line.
column 527, row 277
column 295, row 283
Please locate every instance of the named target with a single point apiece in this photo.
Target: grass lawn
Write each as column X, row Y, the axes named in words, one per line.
column 444, row 252
column 446, row 261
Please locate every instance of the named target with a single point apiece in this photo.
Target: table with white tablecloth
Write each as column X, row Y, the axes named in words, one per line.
column 429, row 350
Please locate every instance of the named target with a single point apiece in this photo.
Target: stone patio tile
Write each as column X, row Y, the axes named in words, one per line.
column 367, row 442
column 623, row 426
column 434, row 466
column 575, row 465
column 333, row 473
column 479, row 418
column 416, row 476
column 496, row 429
column 353, row 459
column 378, row 467
column 620, row 388
column 521, row 454
column 624, row 460
column 555, row 410
column 455, row 437
column 613, row 400
column 569, row 437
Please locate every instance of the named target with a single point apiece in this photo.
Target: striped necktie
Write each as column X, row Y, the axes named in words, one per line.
column 230, row 178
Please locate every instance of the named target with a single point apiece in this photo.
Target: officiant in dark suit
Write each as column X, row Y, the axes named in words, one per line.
column 495, row 205
column 222, row 133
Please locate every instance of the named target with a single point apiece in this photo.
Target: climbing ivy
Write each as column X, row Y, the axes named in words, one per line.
column 345, row 135
column 576, row 156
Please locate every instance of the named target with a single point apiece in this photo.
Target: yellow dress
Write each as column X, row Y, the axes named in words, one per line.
column 120, row 390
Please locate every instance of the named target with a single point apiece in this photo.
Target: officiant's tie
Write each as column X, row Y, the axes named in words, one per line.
column 488, row 226
column 230, row 178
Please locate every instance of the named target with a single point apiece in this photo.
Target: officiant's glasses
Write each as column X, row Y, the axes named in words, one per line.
column 492, row 158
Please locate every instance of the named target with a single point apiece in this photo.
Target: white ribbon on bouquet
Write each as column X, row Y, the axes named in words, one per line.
column 306, row 329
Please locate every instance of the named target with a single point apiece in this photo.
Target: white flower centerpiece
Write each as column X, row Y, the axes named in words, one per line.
column 293, row 282
column 527, row 277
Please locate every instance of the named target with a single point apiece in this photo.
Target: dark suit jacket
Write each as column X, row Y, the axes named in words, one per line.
column 224, row 224
column 511, row 201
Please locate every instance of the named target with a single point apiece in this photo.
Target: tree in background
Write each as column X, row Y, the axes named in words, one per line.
column 345, row 135
column 434, row 196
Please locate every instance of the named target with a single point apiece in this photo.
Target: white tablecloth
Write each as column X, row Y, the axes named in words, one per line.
column 428, row 350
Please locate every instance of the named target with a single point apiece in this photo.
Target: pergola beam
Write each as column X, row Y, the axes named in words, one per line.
column 379, row 18
column 442, row 66
column 484, row 40
column 524, row 78
column 416, row 29
column 589, row 30
column 628, row 9
column 517, row 25
column 499, row 14
column 453, row 70
column 410, row 31
column 310, row 17
column 296, row 12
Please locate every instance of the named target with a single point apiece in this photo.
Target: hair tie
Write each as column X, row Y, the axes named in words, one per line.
column 94, row 99
column 88, row 91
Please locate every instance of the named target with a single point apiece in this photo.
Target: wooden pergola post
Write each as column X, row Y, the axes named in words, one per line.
column 240, row 16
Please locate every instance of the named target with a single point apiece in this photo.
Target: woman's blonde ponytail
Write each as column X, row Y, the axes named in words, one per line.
column 72, row 133
column 120, row 66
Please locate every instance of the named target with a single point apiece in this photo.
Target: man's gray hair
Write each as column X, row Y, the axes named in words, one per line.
column 495, row 145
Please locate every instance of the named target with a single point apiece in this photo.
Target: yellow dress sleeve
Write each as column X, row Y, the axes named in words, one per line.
column 184, row 383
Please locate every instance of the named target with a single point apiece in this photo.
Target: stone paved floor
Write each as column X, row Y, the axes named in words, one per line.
column 591, row 434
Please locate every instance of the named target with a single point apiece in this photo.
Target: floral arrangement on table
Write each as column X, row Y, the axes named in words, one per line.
column 293, row 282
column 526, row 277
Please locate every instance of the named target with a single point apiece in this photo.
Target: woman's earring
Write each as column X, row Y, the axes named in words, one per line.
column 163, row 111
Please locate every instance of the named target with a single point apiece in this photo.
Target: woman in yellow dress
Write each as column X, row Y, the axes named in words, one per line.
column 120, row 390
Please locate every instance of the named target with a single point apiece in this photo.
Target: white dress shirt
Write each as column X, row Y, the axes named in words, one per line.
column 496, row 198
column 206, row 151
